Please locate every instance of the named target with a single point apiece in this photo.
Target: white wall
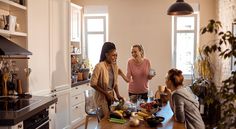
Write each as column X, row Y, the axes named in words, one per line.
column 145, row 22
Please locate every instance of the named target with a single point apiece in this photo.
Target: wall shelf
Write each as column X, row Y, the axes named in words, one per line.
column 8, row 5
column 8, row 33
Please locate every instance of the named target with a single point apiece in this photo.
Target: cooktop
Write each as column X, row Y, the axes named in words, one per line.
column 15, row 103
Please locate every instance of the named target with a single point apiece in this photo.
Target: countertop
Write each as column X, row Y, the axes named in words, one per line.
column 80, row 83
column 10, row 118
column 168, row 123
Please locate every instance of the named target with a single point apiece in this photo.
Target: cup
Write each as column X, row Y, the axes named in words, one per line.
column 150, row 95
column 152, row 72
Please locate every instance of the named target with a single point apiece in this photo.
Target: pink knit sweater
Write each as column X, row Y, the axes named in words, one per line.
column 138, row 76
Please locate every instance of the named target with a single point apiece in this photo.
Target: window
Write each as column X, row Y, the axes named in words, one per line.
column 184, row 43
column 95, row 36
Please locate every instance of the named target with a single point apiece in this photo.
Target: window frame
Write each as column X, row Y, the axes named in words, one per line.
column 174, row 41
column 86, row 32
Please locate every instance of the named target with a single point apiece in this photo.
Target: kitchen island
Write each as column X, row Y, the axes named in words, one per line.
column 168, row 123
column 16, row 109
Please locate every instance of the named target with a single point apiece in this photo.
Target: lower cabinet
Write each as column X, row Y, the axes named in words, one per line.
column 52, row 114
column 78, row 104
column 62, row 117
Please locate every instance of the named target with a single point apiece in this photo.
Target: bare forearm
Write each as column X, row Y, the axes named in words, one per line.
column 123, row 75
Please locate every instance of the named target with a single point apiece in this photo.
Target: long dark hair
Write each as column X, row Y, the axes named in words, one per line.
column 107, row 47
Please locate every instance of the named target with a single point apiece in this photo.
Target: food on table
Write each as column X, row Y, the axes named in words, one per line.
column 119, row 121
column 135, row 115
column 118, row 105
column 127, row 113
column 150, row 107
column 140, row 113
column 116, row 114
column 134, row 121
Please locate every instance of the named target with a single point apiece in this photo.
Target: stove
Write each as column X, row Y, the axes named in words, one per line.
column 15, row 103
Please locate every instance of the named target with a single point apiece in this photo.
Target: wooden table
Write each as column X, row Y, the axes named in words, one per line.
column 168, row 123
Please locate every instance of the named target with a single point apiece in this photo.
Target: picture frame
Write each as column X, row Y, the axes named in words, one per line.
column 233, row 59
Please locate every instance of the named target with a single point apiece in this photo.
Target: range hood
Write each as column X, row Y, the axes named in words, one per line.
column 9, row 48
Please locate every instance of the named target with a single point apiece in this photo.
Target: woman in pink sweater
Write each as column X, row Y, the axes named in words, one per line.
column 137, row 73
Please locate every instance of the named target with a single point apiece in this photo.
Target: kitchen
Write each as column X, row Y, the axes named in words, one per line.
column 48, row 38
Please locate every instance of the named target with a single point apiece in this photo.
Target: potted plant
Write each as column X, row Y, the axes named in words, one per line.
column 204, row 87
column 225, row 44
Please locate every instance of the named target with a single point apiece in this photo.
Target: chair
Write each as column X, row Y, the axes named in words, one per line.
column 91, row 109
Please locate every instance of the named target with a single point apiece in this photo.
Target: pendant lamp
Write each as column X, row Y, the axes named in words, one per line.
column 180, row 8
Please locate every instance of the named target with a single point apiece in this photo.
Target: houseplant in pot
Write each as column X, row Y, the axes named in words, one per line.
column 204, row 87
column 224, row 44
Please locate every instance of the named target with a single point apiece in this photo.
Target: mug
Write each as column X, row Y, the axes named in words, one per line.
column 152, row 72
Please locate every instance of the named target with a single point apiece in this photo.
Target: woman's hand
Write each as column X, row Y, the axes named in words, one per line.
column 150, row 76
column 120, row 98
column 110, row 98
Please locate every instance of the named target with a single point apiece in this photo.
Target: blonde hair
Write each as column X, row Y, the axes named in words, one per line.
column 140, row 48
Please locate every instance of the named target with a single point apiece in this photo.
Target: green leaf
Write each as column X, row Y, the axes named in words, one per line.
column 203, row 30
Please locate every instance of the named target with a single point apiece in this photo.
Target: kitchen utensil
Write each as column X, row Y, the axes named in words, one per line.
column 5, row 78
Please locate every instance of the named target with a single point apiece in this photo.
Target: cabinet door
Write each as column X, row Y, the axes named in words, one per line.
column 38, row 44
column 59, row 48
column 75, row 23
column 62, row 119
column 52, row 116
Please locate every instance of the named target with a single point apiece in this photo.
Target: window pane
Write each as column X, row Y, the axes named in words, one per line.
column 185, row 52
column 185, row 23
column 96, row 25
column 95, row 42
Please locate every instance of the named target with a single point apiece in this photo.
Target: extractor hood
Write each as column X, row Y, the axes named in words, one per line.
column 9, row 48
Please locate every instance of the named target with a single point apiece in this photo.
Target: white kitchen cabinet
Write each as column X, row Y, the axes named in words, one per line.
column 52, row 116
column 78, row 104
column 59, row 48
column 48, row 39
column 75, row 22
column 62, row 117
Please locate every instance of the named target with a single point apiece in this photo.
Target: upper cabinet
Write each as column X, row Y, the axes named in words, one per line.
column 75, row 23
column 13, row 20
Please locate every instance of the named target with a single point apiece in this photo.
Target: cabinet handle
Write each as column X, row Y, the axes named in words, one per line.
column 76, row 97
column 76, row 88
column 52, row 91
column 76, row 107
column 52, row 107
column 55, row 90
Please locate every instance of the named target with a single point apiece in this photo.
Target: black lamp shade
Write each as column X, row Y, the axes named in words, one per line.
column 180, row 8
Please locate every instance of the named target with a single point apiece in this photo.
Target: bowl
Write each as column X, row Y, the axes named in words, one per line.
column 154, row 121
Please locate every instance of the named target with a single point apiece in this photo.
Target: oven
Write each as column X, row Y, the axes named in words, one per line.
column 37, row 121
